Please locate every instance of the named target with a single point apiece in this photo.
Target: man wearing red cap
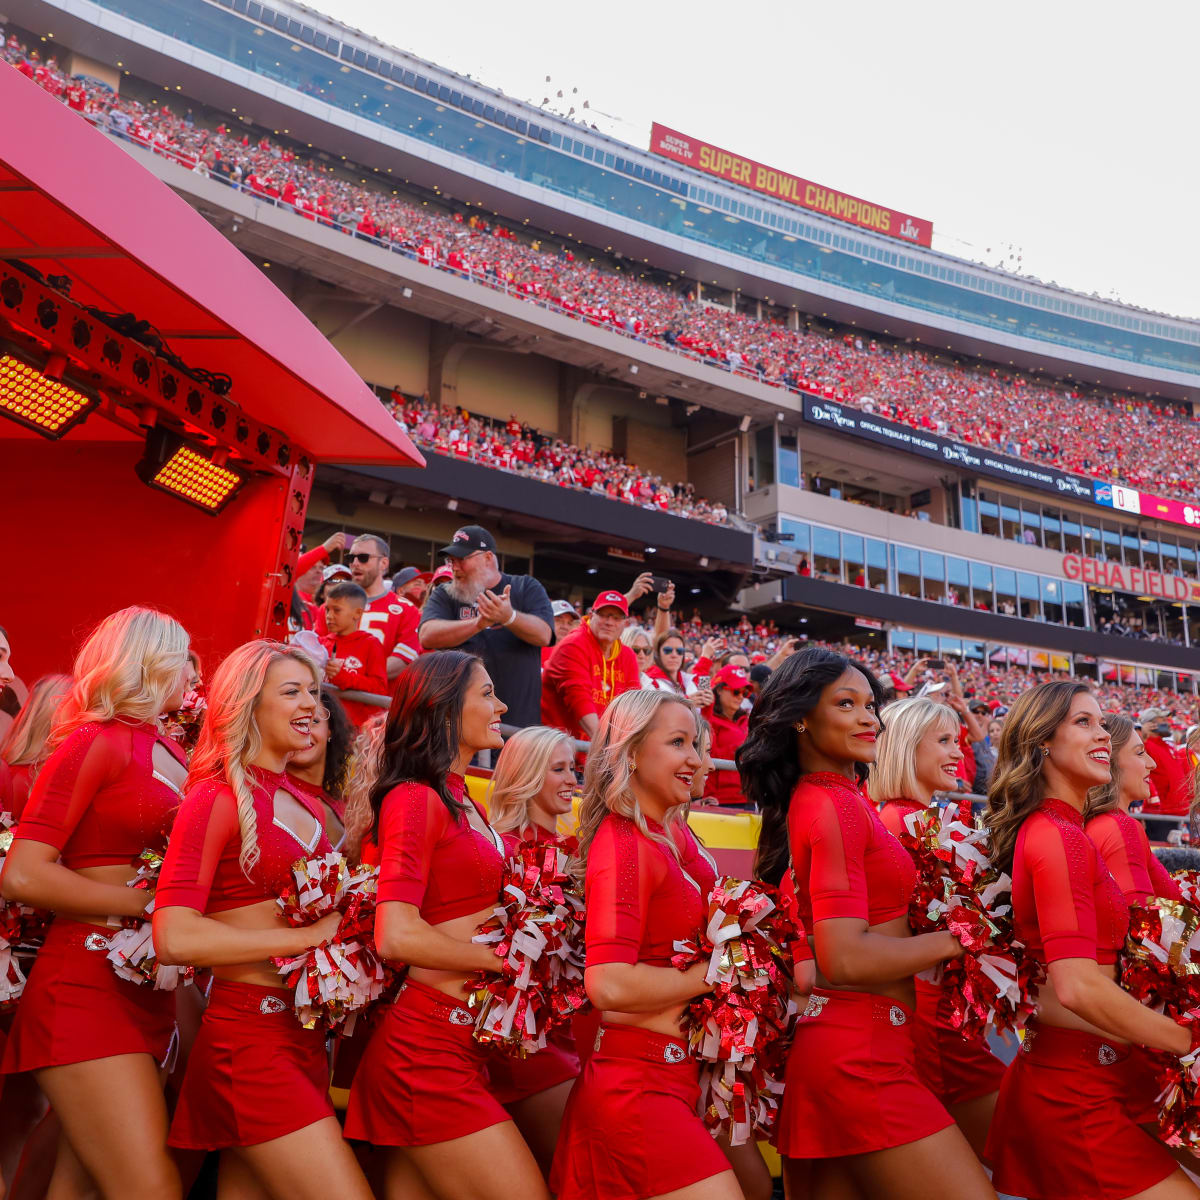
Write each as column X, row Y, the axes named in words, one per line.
column 589, row 668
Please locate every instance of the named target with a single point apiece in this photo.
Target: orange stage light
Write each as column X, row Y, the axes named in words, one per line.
column 38, row 402
column 182, row 470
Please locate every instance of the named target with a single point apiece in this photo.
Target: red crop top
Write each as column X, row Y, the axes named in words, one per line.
column 1125, row 849
column 697, row 863
column 893, row 812
column 845, row 862
column 98, row 800
column 638, row 899
column 1066, row 904
column 436, row 861
column 202, row 870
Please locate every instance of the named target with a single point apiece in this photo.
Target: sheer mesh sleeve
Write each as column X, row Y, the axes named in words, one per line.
column 1161, row 883
column 1061, row 870
column 411, row 821
column 833, row 828
column 205, row 824
column 620, row 878
column 1110, row 844
column 92, row 757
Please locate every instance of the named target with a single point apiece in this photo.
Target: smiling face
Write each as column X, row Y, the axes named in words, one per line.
column 318, row 733
column 481, row 713
column 285, row 707
column 1131, row 769
column 843, row 726
column 1079, row 749
column 666, row 761
column 936, row 757
column 558, row 789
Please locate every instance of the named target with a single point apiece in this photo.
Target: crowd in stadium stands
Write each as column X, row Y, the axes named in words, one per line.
column 516, row 446
column 1122, row 439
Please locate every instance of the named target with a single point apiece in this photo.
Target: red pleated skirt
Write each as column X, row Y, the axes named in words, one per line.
column 76, row 1009
column 851, row 1085
column 1067, row 1121
column 423, row 1076
column 954, row 1070
column 515, row 1079
column 254, row 1073
column 631, row 1129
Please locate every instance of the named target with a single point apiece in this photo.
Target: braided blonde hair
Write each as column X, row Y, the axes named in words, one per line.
column 230, row 739
column 624, row 725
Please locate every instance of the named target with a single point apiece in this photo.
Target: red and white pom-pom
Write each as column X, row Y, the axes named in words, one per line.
column 133, row 957
column 741, row 1029
column 338, row 980
column 1160, row 964
column 994, row 985
column 1179, row 1100
column 131, row 949
column 183, row 725
column 1189, row 885
column 537, row 934
column 12, row 978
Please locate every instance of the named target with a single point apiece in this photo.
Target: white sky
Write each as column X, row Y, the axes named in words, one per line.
column 1061, row 131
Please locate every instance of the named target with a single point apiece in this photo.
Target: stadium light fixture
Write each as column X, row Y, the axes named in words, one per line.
column 38, row 398
column 195, row 474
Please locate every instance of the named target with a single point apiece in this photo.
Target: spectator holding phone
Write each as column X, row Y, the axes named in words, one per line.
column 664, row 597
column 728, row 718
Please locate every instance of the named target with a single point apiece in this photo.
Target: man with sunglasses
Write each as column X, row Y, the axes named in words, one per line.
column 386, row 617
column 505, row 619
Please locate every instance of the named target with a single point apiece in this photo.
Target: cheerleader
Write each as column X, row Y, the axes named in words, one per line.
column 256, row 1085
column 531, row 789
column 1120, row 838
column 421, row 1091
column 1066, row 1121
column 855, row 1113
column 97, row 1044
column 25, row 746
column 631, row 1130
column 322, row 770
column 918, row 755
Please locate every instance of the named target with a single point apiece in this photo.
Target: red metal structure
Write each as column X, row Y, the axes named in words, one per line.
column 118, row 294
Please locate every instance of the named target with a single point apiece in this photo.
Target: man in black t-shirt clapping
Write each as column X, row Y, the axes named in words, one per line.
column 505, row 619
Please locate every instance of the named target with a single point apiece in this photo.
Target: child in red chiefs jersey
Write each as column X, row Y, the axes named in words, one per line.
column 356, row 660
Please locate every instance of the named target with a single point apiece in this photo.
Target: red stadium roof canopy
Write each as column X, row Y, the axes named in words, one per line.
column 72, row 202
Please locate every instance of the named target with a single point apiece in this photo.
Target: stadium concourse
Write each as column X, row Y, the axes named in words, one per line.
column 1117, row 438
column 443, row 842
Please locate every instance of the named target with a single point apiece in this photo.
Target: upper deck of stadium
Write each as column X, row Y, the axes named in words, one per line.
column 288, row 68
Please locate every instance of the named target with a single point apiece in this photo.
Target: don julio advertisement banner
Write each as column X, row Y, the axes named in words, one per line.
column 831, row 415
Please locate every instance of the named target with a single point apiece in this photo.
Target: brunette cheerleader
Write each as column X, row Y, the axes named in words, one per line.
column 918, row 755
column 531, row 789
column 631, row 1130
column 323, row 768
column 421, row 1090
column 1066, row 1122
column 108, row 790
column 1120, row 838
column 256, row 1085
column 856, row 1119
